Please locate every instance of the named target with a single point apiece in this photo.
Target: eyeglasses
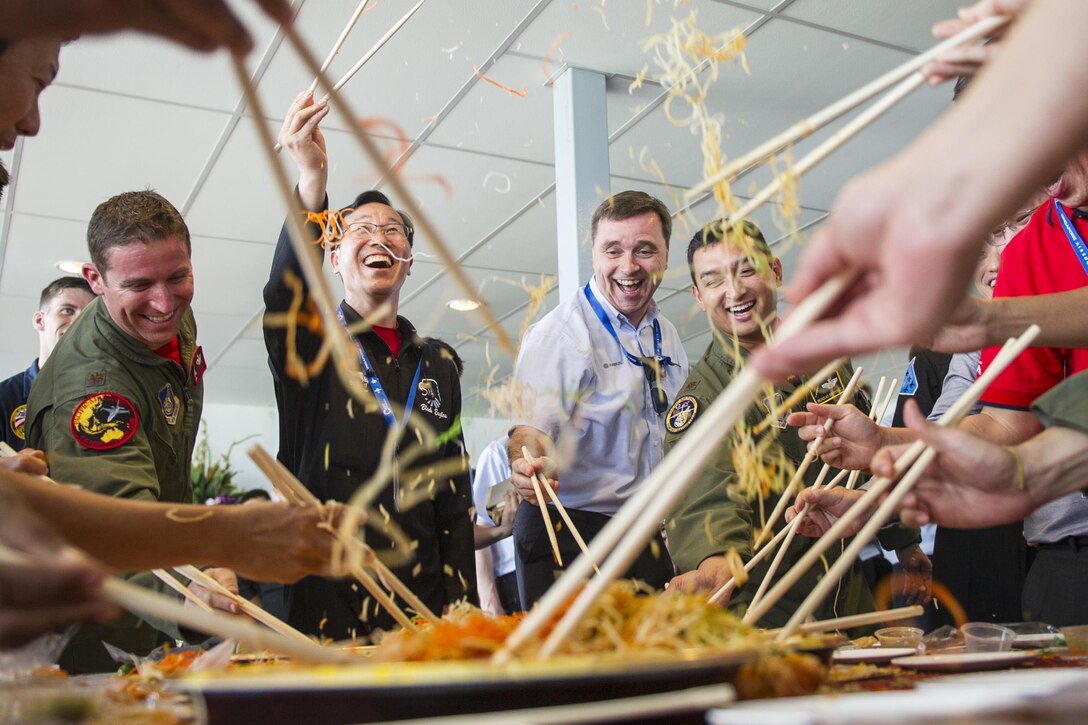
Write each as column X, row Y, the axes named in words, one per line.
column 654, row 370
column 392, row 232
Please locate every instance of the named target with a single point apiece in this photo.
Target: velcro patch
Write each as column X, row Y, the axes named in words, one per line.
column 682, row 413
column 104, row 421
column 18, row 422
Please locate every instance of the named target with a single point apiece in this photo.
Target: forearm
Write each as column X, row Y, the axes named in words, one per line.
column 485, row 536
column 1062, row 318
column 108, row 528
column 1002, row 426
column 1054, row 463
column 311, row 188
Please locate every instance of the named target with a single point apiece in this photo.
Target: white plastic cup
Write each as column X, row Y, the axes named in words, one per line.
column 987, row 637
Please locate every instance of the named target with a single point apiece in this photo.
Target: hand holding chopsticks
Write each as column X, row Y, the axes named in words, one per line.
column 540, row 487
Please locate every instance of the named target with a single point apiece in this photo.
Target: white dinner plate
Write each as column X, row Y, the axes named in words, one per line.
column 870, row 655
column 966, row 662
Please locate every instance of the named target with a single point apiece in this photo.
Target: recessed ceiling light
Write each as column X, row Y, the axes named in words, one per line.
column 463, row 305
column 71, row 266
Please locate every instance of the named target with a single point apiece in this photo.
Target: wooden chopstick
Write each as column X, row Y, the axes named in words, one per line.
column 810, row 125
column 147, row 603
column 542, row 504
column 628, row 532
column 297, row 494
column 265, row 618
column 860, row 620
column 359, row 10
column 168, row 579
column 910, row 466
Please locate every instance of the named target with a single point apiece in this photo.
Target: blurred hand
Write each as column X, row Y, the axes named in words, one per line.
column 828, row 506
column 203, row 25
column 505, row 522
column 51, row 589
column 712, row 573
column 917, row 579
column 853, row 440
column 965, row 330
column 28, row 460
column 215, row 600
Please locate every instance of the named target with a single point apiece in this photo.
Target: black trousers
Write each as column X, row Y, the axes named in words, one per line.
column 1056, row 587
column 536, row 568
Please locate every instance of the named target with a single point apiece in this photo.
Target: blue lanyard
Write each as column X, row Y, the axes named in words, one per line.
column 1075, row 240
column 633, row 359
column 376, row 384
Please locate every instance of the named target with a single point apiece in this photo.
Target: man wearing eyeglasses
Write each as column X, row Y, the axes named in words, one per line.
column 735, row 280
column 330, row 441
column 596, row 376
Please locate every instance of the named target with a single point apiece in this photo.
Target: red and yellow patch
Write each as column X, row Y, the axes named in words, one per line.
column 104, row 421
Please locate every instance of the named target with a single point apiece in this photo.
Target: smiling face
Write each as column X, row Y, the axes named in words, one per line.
column 56, row 316
column 27, row 67
column 146, row 288
column 368, row 262
column 738, row 291
column 630, row 257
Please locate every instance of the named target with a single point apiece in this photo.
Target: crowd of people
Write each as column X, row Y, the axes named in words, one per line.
column 605, row 385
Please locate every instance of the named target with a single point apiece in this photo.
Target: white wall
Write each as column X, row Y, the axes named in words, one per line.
column 481, row 431
column 226, row 424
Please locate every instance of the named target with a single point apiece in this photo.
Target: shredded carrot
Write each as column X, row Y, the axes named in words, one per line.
column 559, row 40
column 520, row 94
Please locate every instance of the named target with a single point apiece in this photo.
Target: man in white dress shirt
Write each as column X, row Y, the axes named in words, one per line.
column 597, row 375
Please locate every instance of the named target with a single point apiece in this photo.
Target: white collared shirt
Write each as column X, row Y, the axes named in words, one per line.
column 492, row 468
column 569, row 366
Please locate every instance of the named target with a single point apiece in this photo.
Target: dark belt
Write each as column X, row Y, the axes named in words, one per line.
column 1073, row 543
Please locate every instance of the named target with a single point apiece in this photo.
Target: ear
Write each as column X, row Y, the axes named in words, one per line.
column 411, row 261
column 698, row 298
column 334, row 260
column 94, row 278
column 776, row 267
column 39, row 321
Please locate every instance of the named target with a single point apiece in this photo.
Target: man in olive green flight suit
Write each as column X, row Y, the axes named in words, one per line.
column 117, row 405
column 735, row 280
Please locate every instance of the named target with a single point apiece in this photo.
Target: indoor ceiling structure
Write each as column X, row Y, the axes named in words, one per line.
column 133, row 112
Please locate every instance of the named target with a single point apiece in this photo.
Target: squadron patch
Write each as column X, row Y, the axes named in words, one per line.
column 18, row 422
column 681, row 414
column 829, row 390
column 171, row 404
column 104, row 421
column 199, row 365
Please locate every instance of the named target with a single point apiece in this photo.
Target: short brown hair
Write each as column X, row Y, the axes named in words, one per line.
column 135, row 216
column 630, row 203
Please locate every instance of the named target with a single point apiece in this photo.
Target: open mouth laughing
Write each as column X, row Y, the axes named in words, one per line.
column 743, row 311
column 378, row 261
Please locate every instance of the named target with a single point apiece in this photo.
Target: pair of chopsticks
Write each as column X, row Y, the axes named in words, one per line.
column 908, row 469
column 298, row 495
column 540, row 486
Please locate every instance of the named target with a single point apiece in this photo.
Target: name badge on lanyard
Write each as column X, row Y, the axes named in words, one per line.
column 654, row 368
column 1075, row 240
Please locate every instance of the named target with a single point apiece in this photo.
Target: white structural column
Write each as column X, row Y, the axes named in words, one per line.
column 581, row 170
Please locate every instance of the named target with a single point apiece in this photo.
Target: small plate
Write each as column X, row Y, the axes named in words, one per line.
column 871, row 655
column 966, row 662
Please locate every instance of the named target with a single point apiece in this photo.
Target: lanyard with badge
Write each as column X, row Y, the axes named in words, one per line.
column 654, row 368
column 380, row 395
column 1075, row 239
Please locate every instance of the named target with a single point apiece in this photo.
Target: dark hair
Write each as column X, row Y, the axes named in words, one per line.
column 57, row 286
column 135, row 216
column 721, row 230
column 376, row 197
column 630, row 203
column 4, row 178
column 254, row 493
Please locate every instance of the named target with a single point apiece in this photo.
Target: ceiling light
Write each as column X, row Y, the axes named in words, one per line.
column 463, row 305
column 71, row 266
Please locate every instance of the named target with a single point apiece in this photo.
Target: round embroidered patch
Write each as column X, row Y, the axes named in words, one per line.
column 682, row 413
column 103, row 421
column 18, row 422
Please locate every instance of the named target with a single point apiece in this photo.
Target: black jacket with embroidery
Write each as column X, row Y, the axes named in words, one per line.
column 333, row 446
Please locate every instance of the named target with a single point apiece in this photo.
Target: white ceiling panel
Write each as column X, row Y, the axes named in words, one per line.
column 526, row 245
column 216, row 331
column 35, row 245
column 905, row 24
column 229, row 275
column 609, row 37
column 17, row 330
column 117, row 144
column 249, row 385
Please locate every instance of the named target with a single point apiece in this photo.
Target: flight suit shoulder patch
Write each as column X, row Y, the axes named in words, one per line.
column 104, row 421
column 682, row 414
column 18, row 422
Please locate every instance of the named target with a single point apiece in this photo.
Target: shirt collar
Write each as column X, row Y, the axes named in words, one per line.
column 613, row 313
